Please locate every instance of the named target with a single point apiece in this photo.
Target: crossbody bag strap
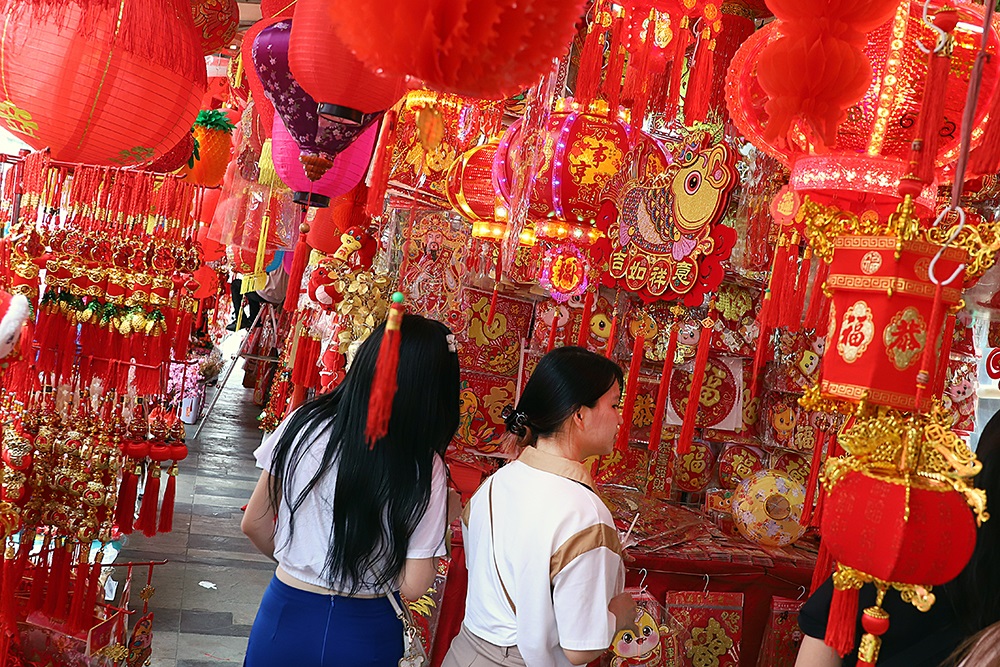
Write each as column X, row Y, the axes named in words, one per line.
column 495, row 565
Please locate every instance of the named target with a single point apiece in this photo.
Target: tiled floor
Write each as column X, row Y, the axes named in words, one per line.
column 207, row 595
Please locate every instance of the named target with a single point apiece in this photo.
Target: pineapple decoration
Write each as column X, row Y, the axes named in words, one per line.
column 181, row 154
column 212, row 132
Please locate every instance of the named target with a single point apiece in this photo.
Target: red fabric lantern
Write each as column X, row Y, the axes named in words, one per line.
column 347, row 171
column 881, row 317
column 344, row 88
column 100, row 83
column 488, row 48
column 865, row 526
column 271, row 9
column 216, row 22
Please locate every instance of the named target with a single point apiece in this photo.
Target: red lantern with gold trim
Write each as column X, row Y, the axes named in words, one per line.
column 881, row 318
column 471, row 192
column 101, row 82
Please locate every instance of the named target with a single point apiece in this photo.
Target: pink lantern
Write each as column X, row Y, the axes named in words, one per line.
column 348, row 168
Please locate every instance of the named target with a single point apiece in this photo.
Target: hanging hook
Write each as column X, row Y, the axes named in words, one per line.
column 951, row 238
column 942, row 36
column 642, row 580
column 704, row 591
column 802, row 592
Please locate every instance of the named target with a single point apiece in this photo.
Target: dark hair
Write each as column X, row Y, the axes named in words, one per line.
column 975, row 593
column 982, row 648
column 382, row 491
column 565, row 380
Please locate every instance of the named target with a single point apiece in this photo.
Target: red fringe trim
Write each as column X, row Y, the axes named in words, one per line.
column 299, row 261
column 841, row 627
column 584, row 333
column 382, row 164
column 384, row 383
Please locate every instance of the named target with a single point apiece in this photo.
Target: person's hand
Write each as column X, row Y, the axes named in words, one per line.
column 454, row 505
column 625, row 611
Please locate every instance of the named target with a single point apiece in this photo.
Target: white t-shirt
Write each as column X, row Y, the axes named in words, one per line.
column 304, row 555
column 558, row 555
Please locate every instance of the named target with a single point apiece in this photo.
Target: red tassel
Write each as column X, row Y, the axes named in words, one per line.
column 609, row 349
column 699, row 88
column 127, row 494
column 927, row 361
column 56, row 589
column 62, row 584
column 303, row 359
column 150, row 498
column 616, row 64
column 553, row 328
column 785, row 299
column 588, row 308
column 824, row 568
column 772, row 298
column 928, row 131
column 946, row 343
column 384, row 383
column 682, row 38
column 90, row 599
column 299, row 261
column 817, row 463
column 78, row 605
column 381, row 164
column 591, row 58
column 656, row 429
column 694, row 395
column 985, row 159
column 631, row 389
column 795, row 321
column 819, row 304
column 40, row 578
column 169, row 495
column 841, row 626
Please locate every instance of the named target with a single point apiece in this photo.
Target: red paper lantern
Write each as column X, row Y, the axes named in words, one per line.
column 271, row 9
column 489, row 48
column 344, row 88
column 100, row 83
column 216, row 22
column 872, row 145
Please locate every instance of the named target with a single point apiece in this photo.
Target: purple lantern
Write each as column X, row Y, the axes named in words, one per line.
column 319, row 141
column 345, row 171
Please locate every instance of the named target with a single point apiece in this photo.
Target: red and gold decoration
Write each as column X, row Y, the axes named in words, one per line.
column 216, row 22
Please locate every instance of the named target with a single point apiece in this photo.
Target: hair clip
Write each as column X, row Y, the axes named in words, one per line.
column 452, row 345
column 515, row 421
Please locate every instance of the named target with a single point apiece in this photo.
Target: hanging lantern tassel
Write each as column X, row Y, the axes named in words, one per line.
column 819, row 303
column 588, row 308
column 150, row 499
column 784, row 301
column 946, row 342
column 55, row 577
column 79, row 601
column 768, row 315
column 840, row 625
column 656, row 429
column 875, row 621
column 616, row 62
column 299, row 261
column 699, row 89
column 631, row 389
column 817, row 463
column 127, row 494
column 926, row 137
column 378, row 178
column 929, row 358
column 697, row 379
column 801, row 285
column 592, row 57
column 169, row 496
column 93, row 587
column 496, row 288
column 553, row 328
column 680, row 42
column 385, row 381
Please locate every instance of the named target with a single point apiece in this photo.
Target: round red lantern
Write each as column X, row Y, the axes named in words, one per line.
column 582, row 152
column 216, row 22
column 489, row 48
column 861, row 170
column 470, row 191
column 326, row 225
column 100, row 83
column 344, row 88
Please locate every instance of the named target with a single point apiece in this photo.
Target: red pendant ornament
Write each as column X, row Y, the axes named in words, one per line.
column 216, row 22
column 102, row 83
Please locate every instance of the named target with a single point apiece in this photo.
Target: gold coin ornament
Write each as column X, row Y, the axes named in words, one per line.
column 767, row 506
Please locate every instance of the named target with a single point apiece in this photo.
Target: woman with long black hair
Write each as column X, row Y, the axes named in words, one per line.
column 349, row 523
column 545, row 566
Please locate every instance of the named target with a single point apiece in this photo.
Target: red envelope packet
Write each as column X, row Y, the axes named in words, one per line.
column 714, row 626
